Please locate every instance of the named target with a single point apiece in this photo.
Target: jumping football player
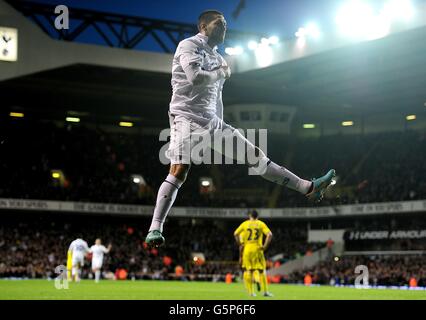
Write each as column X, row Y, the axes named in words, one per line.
column 198, row 75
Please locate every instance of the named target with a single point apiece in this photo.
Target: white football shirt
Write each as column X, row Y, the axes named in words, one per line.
column 98, row 251
column 194, row 58
column 78, row 247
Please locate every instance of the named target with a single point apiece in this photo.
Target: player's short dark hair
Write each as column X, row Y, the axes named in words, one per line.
column 206, row 17
column 254, row 214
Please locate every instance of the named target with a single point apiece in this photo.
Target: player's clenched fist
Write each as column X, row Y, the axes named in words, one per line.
column 227, row 71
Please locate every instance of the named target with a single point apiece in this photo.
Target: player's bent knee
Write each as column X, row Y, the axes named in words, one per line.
column 180, row 171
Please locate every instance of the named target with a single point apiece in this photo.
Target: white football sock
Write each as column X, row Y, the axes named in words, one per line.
column 270, row 170
column 282, row 176
column 165, row 198
column 97, row 275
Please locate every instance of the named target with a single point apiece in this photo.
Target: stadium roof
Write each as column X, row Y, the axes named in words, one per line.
column 376, row 77
column 371, row 77
column 380, row 76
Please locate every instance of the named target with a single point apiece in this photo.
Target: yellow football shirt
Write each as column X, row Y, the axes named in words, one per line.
column 251, row 233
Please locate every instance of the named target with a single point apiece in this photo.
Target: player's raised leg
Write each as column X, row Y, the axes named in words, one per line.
column 165, row 198
column 273, row 172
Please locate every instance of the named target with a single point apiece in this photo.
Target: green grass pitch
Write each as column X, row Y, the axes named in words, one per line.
column 174, row 290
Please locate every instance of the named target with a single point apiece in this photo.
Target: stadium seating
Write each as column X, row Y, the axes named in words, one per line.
column 33, row 245
column 383, row 271
column 98, row 165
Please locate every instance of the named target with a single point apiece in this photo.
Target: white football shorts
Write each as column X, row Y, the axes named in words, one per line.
column 77, row 260
column 97, row 263
column 186, row 134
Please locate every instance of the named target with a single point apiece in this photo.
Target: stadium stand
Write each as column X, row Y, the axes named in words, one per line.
column 98, row 166
column 32, row 245
column 383, row 271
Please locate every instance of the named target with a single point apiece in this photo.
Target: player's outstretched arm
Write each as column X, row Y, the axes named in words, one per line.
column 87, row 249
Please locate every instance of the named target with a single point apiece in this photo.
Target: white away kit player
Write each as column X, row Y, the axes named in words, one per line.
column 78, row 249
column 98, row 250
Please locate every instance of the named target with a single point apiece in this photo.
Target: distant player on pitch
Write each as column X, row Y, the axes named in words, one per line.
column 249, row 237
column 98, row 250
column 256, row 274
column 78, row 250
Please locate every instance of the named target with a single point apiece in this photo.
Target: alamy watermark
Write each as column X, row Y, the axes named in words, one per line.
column 189, row 145
column 62, row 21
column 361, row 281
column 61, row 281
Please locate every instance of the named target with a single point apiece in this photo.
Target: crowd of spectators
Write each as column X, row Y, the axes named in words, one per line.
column 33, row 245
column 407, row 270
column 98, row 166
column 371, row 168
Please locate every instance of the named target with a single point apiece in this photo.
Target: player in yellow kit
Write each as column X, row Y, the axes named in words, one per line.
column 249, row 236
column 69, row 265
column 256, row 275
